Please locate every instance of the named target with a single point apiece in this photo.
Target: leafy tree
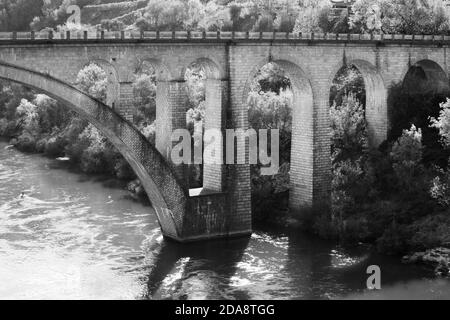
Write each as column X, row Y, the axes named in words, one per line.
column 312, row 16
column 171, row 15
column 348, row 81
column 93, row 80
column 440, row 189
column 349, row 130
column 406, row 155
column 442, row 123
column 399, row 16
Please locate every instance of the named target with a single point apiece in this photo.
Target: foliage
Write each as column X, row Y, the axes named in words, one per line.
column 440, row 189
column 348, row 123
column 410, row 108
column 406, row 156
column 348, row 81
column 442, row 123
column 399, row 16
column 171, row 15
column 93, row 80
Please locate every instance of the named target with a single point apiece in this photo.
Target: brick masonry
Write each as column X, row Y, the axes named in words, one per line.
column 224, row 206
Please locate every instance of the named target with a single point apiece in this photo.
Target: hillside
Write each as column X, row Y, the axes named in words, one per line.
column 124, row 11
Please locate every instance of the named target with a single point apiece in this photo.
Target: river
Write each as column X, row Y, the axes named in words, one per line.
column 74, row 236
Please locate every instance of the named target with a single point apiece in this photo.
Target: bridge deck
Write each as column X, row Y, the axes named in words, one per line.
column 185, row 36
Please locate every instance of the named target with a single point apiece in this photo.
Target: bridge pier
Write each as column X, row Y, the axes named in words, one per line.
column 171, row 108
column 125, row 105
column 215, row 116
column 310, row 173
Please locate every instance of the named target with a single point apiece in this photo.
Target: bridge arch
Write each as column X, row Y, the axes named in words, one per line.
column 434, row 74
column 113, row 86
column 212, row 68
column 215, row 103
column 376, row 111
column 302, row 136
column 162, row 186
column 162, row 72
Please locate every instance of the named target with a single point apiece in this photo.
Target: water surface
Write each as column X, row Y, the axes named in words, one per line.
column 74, row 236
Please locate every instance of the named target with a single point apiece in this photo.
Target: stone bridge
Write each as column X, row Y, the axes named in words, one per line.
column 50, row 62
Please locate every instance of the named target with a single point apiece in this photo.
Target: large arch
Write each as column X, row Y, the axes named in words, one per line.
column 301, row 193
column 167, row 195
column 376, row 111
column 434, row 75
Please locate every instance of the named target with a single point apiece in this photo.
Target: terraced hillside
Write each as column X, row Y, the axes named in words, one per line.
column 124, row 11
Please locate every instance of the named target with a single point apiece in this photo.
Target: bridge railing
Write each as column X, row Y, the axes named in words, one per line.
column 214, row 36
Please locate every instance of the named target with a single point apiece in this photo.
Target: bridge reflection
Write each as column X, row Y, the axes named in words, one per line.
column 194, row 270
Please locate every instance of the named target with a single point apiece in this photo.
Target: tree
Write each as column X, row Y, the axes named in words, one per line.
column 349, row 130
column 442, row 123
column 399, row 16
column 171, row 15
column 311, row 17
column 440, row 189
column 406, row 156
column 93, row 80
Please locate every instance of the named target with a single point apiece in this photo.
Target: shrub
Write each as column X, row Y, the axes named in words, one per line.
column 406, row 155
column 26, row 142
column 349, row 133
column 55, row 146
column 93, row 80
column 3, row 127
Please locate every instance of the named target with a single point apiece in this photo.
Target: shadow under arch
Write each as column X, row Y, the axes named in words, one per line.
column 301, row 193
column 162, row 72
column 376, row 111
column 165, row 192
column 433, row 78
column 211, row 68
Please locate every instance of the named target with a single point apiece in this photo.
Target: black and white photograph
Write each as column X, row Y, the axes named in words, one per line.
column 241, row 152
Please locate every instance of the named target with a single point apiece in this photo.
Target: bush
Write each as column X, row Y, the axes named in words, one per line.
column 26, row 142
column 406, row 155
column 55, row 147
column 3, row 127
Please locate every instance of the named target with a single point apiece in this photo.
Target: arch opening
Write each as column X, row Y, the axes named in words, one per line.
column 359, row 80
column 279, row 96
column 144, row 86
column 112, row 82
column 205, row 113
column 154, row 172
column 417, row 99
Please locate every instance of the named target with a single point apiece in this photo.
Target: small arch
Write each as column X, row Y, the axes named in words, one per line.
column 162, row 72
column 376, row 103
column 212, row 69
column 113, row 88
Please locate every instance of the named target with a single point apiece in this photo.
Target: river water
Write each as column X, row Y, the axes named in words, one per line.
column 73, row 236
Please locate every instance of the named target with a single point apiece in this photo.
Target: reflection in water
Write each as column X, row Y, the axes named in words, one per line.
column 72, row 236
